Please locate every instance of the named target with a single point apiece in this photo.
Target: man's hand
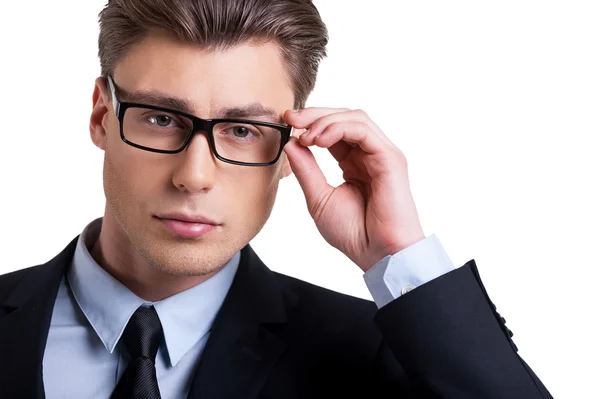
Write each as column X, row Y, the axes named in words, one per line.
column 372, row 214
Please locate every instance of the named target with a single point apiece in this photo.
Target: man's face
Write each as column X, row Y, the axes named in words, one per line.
column 140, row 184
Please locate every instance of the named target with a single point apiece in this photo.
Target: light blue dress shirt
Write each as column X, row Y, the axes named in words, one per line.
column 83, row 356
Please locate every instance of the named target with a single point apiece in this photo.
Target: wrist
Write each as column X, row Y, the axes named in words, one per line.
column 391, row 250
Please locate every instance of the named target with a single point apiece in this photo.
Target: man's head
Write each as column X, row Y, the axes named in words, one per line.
column 212, row 56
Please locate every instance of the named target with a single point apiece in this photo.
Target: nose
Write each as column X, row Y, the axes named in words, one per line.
column 196, row 170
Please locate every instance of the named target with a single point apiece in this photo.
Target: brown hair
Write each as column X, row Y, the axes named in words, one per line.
column 295, row 25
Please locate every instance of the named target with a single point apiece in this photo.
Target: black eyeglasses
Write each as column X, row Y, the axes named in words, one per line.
column 167, row 131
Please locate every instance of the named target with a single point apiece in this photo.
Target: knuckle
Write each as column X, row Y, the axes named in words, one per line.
column 402, row 159
column 315, row 127
column 362, row 129
column 360, row 112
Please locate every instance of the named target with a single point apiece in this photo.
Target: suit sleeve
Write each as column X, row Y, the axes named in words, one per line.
column 451, row 342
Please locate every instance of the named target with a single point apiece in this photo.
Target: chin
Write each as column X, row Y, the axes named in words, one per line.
column 187, row 259
column 189, row 272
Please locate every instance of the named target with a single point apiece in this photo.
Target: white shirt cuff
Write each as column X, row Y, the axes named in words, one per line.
column 406, row 270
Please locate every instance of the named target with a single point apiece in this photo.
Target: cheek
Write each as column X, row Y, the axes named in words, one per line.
column 128, row 176
column 253, row 192
column 117, row 182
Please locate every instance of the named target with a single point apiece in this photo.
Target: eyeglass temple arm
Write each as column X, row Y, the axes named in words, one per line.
column 115, row 102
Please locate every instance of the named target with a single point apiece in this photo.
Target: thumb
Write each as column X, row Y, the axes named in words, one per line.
column 307, row 171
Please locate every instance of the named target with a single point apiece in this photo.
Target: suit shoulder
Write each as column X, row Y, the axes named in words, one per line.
column 331, row 304
column 9, row 280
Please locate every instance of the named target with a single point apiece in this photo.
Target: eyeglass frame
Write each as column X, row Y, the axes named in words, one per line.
column 199, row 125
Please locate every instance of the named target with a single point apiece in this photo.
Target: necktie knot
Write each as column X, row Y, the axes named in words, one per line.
column 143, row 333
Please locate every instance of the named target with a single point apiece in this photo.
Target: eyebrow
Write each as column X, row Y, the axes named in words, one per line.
column 156, row 98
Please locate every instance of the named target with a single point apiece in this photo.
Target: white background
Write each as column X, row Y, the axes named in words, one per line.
column 496, row 106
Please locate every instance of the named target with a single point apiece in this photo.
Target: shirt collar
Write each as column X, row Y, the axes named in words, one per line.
column 107, row 304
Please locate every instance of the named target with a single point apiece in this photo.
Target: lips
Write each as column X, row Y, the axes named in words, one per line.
column 186, row 225
column 189, row 218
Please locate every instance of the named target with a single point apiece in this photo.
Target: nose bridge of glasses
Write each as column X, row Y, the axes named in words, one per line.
column 200, row 125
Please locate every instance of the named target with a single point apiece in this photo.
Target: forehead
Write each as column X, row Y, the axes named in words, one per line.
column 209, row 80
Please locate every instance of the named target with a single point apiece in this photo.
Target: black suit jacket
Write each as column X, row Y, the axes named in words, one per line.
column 279, row 337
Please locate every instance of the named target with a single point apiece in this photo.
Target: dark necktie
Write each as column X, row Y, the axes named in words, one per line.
column 141, row 337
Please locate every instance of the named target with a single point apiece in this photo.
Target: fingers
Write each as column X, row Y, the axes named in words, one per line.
column 340, row 150
column 356, row 133
column 303, row 118
column 296, row 132
column 307, row 171
column 318, row 118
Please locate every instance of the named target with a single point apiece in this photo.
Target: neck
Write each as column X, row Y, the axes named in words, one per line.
column 115, row 253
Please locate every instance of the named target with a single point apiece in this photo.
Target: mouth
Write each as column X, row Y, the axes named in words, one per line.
column 186, row 225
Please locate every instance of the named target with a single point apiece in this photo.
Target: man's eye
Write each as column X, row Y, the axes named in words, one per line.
column 240, row 131
column 160, row 120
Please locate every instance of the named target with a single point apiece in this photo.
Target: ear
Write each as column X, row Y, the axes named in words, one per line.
column 286, row 168
column 99, row 117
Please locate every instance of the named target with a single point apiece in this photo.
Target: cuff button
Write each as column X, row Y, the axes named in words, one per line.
column 407, row 288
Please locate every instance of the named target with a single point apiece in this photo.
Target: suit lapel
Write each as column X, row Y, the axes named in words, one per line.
column 236, row 361
column 24, row 323
column 241, row 350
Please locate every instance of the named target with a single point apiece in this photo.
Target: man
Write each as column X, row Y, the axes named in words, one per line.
column 163, row 296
